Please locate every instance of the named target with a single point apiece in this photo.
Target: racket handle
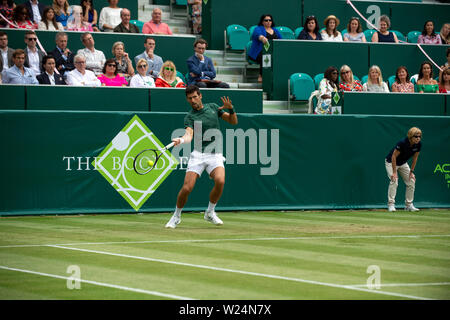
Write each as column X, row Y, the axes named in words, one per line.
column 170, row 145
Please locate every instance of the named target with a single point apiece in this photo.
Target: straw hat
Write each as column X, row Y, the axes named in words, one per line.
column 331, row 17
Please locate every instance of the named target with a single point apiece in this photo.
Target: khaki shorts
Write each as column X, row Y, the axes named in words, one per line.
column 198, row 162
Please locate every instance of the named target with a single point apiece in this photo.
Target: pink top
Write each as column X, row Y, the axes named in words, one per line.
column 151, row 27
column 407, row 87
column 86, row 27
column 118, row 81
column 24, row 25
column 429, row 40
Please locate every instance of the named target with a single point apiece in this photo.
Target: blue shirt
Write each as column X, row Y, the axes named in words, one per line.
column 203, row 70
column 14, row 76
column 406, row 151
column 257, row 45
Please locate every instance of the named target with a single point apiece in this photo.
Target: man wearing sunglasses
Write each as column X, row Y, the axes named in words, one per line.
column 33, row 55
column 397, row 161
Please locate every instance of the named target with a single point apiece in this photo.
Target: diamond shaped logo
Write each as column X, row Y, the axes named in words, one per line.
column 115, row 163
column 336, row 98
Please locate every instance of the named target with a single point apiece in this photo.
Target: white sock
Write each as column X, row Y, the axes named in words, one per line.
column 211, row 206
column 178, row 211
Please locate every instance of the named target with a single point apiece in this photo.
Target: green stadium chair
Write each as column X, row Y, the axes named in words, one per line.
column 400, row 35
column 286, row 32
column 364, row 79
column 247, row 49
column 138, row 24
column 300, row 86
column 181, row 2
column 391, row 80
column 368, row 34
column 344, row 31
column 250, row 30
column 237, row 37
column 317, row 79
column 297, row 31
column 355, row 77
column 413, row 79
column 181, row 76
column 413, row 36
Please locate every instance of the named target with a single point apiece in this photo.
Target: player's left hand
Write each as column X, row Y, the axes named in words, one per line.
column 227, row 104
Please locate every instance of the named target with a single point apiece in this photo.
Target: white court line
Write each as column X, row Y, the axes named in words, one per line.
column 102, row 284
column 257, row 274
column 226, row 239
column 405, row 284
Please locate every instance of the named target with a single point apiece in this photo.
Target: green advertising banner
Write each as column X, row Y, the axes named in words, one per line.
column 273, row 162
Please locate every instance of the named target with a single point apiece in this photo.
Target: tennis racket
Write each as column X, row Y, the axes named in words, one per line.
column 146, row 160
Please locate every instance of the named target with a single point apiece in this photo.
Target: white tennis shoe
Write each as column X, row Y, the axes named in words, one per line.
column 172, row 224
column 391, row 208
column 411, row 208
column 212, row 217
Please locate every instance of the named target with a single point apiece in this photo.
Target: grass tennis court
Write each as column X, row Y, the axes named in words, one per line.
column 254, row 255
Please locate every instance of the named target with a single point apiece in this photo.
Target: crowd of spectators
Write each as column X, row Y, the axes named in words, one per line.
column 150, row 70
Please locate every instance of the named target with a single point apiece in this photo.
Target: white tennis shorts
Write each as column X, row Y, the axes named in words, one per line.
column 198, row 162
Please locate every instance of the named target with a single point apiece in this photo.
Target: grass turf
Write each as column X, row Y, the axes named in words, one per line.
column 254, row 255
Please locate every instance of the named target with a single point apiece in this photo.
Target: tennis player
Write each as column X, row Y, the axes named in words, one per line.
column 396, row 161
column 208, row 115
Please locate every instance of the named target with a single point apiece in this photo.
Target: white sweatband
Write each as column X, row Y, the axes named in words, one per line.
column 181, row 140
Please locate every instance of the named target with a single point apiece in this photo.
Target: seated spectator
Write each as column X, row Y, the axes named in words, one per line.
column 444, row 84
column 89, row 13
column 402, row 81
column 49, row 22
column 327, row 86
column 331, row 33
column 168, row 77
column 95, row 59
column 201, row 68
column 428, row 35
column 80, row 76
column 375, row 81
column 141, row 79
column 156, row 26
column 33, row 55
column 110, row 76
column 63, row 56
column 196, row 15
column 110, row 16
column 75, row 21
column 348, row 83
column 49, row 76
column 123, row 62
column 154, row 61
column 6, row 9
column 62, row 11
column 310, row 30
column 125, row 26
column 36, row 10
column 354, row 31
column 384, row 35
column 18, row 73
column 445, row 65
column 264, row 32
column 445, row 33
column 425, row 82
column 21, row 18
column 6, row 53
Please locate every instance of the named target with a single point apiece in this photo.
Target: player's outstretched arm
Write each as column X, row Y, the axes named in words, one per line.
column 230, row 115
column 188, row 135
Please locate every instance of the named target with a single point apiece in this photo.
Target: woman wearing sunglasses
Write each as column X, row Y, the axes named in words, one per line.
column 141, row 79
column 168, row 77
column 21, row 18
column 110, row 76
column 260, row 37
